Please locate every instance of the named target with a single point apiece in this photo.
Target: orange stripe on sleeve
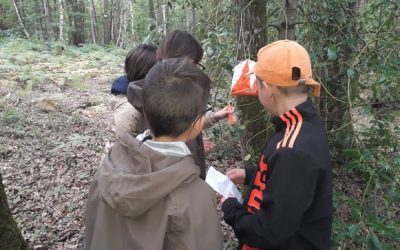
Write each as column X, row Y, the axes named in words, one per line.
column 286, row 132
column 246, row 247
column 296, row 132
column 292, row 127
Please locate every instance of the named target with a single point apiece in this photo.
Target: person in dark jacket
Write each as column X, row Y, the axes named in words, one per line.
column 289, row 203
column 179, row 44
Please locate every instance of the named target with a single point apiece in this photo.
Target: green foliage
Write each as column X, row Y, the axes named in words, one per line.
column 366, row 227
column 230, row 136
column 356, row 59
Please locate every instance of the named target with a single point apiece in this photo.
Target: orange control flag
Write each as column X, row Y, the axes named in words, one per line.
column 242, row 82
column 231, row 118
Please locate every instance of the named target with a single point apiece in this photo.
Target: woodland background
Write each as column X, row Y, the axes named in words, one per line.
column 58, row 58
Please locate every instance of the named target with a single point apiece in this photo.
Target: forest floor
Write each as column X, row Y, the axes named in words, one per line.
column 54, row 115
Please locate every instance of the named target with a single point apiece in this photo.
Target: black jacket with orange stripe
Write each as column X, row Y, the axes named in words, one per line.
column 289, row 204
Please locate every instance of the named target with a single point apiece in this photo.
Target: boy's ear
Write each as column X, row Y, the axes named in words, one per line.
column 271, row 90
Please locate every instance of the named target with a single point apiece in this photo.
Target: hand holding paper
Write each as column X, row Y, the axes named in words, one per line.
column 222, row 184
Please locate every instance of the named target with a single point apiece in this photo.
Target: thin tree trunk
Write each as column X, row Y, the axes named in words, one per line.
column 152, row 15
column 286, row 28
column 55, row 28
column 165, row 17
column 10, row 235
column 132, row 19
column 93, row 21
column 159, row 17
column 125, row 21
column 39, row 24
column 80, row 21
column 121, row 22
column 187, row 12
column 116, row 19
column 61, row 23
column 193, row 9
column 2, row 25
column 107, row 22
column 46, row 7
column 20, row 20
column 112, row 29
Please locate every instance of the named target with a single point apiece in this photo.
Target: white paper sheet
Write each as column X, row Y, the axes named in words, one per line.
column 222, row 184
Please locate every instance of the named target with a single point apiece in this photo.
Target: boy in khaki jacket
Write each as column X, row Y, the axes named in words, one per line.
column 147, row 193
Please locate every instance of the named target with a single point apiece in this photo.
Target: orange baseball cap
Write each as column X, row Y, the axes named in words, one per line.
column 285, row 63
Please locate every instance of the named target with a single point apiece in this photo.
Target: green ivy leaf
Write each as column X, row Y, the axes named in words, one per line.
column 352, row 153
column 332, row 53
column 247, row 157
column 366, row 109
column 350, row 73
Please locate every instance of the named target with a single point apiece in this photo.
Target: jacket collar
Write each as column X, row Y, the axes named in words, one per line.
column 176, row 148
column 302, row 111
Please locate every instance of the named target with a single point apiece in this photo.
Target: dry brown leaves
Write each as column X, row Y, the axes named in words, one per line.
column 53, row 148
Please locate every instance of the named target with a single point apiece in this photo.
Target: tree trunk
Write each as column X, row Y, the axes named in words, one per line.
column 338, row 83
column 164, row 7
column 193, row 10
column 76, row 12
column 335, row 103
column 159, row 17
column 39, row 24
column 47, row 15
column 20, row 20
column 286, row 28
column 251, row 37
column 61, row 23
column 121, row 27
column 93, row 21
column 107, row 22
column 79, row 21
column 3, row 26
column 132, row 19
column 116, row 20
column 10, row 235
column 152, row 15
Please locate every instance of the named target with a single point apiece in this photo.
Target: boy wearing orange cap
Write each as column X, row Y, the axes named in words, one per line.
column 289, row 205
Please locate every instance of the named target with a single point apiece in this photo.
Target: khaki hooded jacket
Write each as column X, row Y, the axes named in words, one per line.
column 142, row 198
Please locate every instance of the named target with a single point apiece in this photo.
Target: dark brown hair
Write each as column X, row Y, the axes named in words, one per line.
column 175, row 93
column 180, row 44
column 139, row 61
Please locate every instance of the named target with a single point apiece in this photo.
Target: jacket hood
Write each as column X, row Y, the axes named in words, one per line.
column 120, row 85
column 135, row 94
column 133, row 178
